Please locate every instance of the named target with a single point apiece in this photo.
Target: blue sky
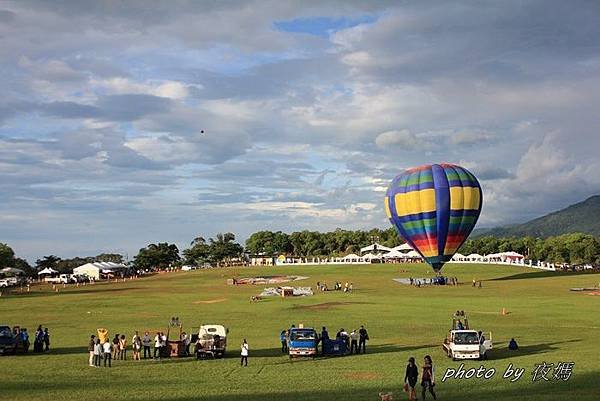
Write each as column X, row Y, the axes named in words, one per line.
column 308, row 111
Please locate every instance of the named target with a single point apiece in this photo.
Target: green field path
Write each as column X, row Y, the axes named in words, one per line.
column 550, row 323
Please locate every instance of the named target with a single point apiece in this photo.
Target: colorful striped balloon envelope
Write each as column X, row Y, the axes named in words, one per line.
column 434, row 208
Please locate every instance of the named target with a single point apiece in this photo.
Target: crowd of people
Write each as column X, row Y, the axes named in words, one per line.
column 116, row 349
column 355, row 341
column 438, row 280
column 337, row 286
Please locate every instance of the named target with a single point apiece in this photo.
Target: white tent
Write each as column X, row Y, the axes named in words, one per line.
column 352, row 258
column 370, row 256
column 403, row 247
column 394, row 254
column 48, row 271
column 12, row 270
column 475, row 257
column 413, row 255
column 93, row 270
column 375, row 247
column 458, row 257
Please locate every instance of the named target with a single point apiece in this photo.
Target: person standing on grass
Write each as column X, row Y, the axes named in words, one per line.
column 147, row 342
column 107, row 348
column 97, row 353
column 123, row 348
column 115, row 347
column 136, row 346
column 363, row 337
column 91, row 347
column 46, row 340
column 163, row 344
column 38, row 342
column 410, row 378
column 157, row 344
column 428, row 379
column 354, row 341
column 244, row 353
column 283, row 339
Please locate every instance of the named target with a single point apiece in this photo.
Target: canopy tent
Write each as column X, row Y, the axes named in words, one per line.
column 370, row 256
column 413, row 255
column 505, row 256
column 394, row 254
column 47, row 271
column 93, row 270
column 475, row 257
column 12, row 270
column 458, row 257
column 351, row 258
column 375, row 247
column 403, row 247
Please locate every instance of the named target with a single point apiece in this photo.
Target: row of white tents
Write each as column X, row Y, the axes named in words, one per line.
column 92, row 270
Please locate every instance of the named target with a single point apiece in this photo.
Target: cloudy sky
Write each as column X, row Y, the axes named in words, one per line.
column 308, row 110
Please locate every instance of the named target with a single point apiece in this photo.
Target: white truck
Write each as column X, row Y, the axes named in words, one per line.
column 465, row 343
column 62, row 279
column 211, row 341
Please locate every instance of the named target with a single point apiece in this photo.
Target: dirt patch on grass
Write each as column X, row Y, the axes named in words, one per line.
column 362, row 376
column 211, row 301
column 326, row 305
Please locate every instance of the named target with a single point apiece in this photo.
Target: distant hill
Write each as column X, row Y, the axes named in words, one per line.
column 581, row 217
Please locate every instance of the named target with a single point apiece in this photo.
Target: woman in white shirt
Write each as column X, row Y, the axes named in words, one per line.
column 97, row 353
column 107, row 348
column 244, row 353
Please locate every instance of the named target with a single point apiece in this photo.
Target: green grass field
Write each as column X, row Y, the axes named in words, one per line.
column 550, row 323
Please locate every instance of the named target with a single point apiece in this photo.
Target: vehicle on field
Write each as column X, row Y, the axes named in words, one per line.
column 61, row 279
column 8, row 341
column 465, row 343
column 302, row 342
column 4, row 283
column 211, row 340
column 335, row 347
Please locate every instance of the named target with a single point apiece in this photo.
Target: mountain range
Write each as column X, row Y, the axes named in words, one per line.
column 581, row 217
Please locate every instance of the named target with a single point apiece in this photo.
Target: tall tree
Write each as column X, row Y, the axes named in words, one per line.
column 157, row 256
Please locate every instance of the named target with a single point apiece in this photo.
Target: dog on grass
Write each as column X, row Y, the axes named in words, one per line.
column 386, row 396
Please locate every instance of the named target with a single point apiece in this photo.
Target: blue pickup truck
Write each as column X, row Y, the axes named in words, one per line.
column 302, row 342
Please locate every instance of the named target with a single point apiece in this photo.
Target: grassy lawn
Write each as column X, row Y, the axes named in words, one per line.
column 550, row 323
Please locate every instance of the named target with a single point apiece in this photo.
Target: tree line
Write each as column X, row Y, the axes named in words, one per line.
column 223, row 250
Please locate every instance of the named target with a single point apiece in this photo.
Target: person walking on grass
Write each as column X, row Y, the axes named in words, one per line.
column 107, row 348
column 91, row 348
column 157, row 344
column 97, row 353
column 428, row 378
column 410, row 379
column 244, row 353
column 147, row 343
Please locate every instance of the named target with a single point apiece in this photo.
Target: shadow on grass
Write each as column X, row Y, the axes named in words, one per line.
column 53, row 351
column 541, row 274
column 533, row 349
column 70, row 291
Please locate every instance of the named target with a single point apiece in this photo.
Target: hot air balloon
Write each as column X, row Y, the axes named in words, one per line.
column 434, row 208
